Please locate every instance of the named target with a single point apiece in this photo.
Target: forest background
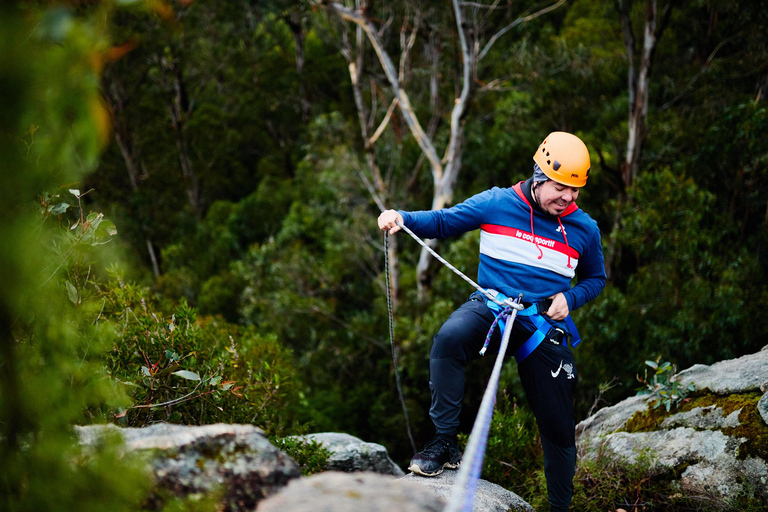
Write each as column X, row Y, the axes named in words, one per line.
column 192, row 188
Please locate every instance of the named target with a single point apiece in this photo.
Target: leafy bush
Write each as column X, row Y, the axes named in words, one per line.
column 311, row 455
column 179, row 368
column 602, row 483
column 664, row 387
column 52, row 129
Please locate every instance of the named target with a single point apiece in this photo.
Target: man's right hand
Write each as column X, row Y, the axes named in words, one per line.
column 388, row 219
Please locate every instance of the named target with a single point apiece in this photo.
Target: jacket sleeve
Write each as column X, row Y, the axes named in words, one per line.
column 590, row 274
column 447, row 222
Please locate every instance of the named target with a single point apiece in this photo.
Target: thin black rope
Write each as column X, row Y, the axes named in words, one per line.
column 392, row 342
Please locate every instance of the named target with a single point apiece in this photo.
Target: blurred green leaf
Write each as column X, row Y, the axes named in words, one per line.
column 74, row 296
column 185, row 374
column 58, row 209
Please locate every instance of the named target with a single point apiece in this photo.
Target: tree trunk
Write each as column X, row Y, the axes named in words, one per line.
column 378, row 188
column 639, row 108
column 638, row 88
column 297, row 30
column 179, row 108
column 116, row 98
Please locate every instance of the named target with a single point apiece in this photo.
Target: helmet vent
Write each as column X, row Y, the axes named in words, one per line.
column 556, row 165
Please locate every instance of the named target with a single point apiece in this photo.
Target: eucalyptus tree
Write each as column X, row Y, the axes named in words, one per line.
column 476, row 26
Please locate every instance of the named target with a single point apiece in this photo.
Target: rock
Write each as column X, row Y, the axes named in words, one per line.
column 489, row 497
column 705, row 450
column 669, row 448
column 188, row 460
column 610, row 419
column 334, row 491
column 712, row 417
column 740, row 375
column 762, row 408
column 350, row 454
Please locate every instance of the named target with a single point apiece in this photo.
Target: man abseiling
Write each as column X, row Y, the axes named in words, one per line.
column 534, row 240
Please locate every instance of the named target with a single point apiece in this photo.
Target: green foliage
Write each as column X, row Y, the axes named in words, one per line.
column 183, row 369
column 311, row 455
column 664, row 386
column 604, row 484
column 52, row 129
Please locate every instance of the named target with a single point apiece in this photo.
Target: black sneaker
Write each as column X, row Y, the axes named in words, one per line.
column 437, row 455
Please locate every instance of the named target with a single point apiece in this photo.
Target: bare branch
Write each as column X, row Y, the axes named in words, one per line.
column 370, row 142
column 482, row 6
column 374, row 102
column 371, row 190
column 515, row 23
column 407, row 45
column 390, row 71
column 444, row 187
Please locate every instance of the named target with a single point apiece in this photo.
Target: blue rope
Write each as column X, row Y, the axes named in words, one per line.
column 464, row 488
column 503, row 315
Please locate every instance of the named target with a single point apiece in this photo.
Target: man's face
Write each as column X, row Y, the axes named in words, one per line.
column 554, row 197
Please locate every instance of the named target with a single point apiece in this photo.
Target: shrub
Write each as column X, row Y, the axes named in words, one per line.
column 179, row 368
column 664, row 387
column 311, row 455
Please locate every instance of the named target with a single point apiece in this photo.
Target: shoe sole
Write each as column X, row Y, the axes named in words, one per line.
column 414, row 468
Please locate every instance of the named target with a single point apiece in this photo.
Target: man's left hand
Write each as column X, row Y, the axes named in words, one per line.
column 558, row 310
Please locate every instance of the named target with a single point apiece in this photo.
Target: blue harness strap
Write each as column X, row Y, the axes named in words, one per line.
column 542, row 328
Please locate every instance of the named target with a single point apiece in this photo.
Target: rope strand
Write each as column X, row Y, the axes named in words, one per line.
column 392, row 342
column 458, row 272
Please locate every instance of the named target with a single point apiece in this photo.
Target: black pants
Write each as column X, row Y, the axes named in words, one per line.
column 548, row 376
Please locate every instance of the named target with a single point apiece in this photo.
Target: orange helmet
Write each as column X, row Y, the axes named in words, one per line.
column 564, row 158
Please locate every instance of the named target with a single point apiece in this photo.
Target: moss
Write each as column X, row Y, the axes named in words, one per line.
column 646, row 421
column 752, row 427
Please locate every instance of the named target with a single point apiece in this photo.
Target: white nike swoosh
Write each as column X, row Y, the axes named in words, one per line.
column 555, row 374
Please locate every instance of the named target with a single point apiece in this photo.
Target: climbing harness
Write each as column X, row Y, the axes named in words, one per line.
column 544, row 330
column 392, row 343
column 497, row 302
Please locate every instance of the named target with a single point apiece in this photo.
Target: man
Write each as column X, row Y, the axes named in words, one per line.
column 534, row 240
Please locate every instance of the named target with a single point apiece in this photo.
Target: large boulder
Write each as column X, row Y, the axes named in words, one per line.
column 334, row 491
column 713, row 445
column 489, row 497
column 351, row 454
column 371, row 492
column 236, row 460
column 238, row 463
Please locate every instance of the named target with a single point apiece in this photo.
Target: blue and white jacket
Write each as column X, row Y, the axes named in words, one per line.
column 522, row 248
